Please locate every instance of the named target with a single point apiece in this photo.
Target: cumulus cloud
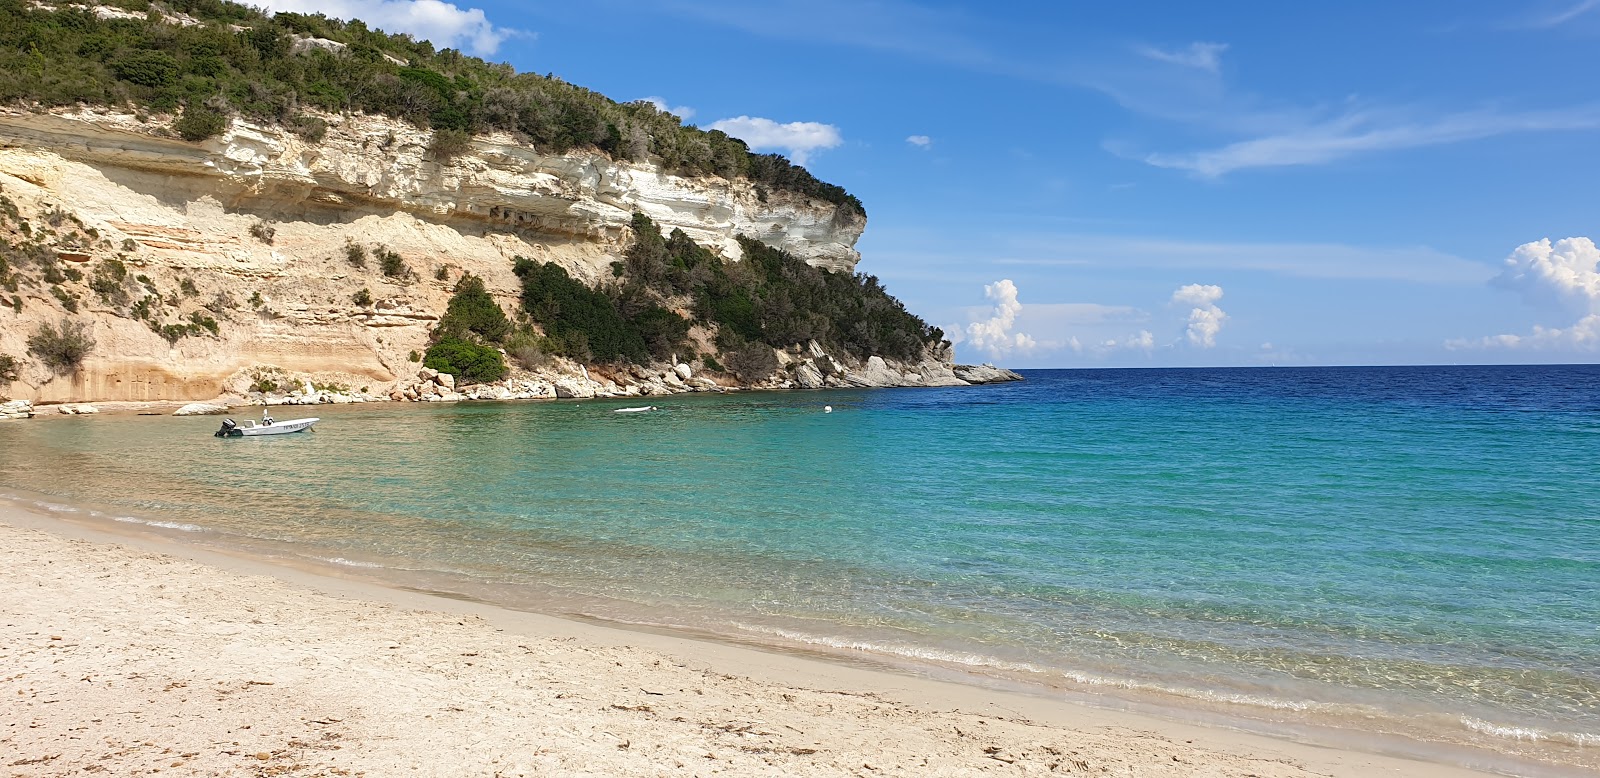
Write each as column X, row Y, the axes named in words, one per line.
column 1566, row 272
column 1205, row 319
column 1199, row 55
column 920, row 141
column 798, row 138
column 994, row 334
column 682, row 112
column 445, row 24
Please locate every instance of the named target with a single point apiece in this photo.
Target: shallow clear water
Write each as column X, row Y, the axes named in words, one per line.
column 1411, row 551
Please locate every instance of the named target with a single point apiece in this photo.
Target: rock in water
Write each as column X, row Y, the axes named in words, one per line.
column 984, row 374
column 200, row 409
column 16, row 409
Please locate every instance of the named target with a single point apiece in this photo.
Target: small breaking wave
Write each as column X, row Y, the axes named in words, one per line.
column 341, row 561
column 1529, row 734
column 982, row 662
column 181, row 527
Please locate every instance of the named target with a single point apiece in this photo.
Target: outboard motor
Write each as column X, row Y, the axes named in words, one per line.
column 228, row 427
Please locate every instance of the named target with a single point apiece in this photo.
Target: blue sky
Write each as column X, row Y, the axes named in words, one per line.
column 1178, row 183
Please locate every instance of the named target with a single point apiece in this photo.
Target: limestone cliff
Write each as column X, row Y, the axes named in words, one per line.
column 253, row 228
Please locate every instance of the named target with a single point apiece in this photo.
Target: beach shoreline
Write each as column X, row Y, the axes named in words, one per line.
column 198, row 650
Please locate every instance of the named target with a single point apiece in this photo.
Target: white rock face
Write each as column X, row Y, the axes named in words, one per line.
column 372, row 162
column 201, row 409
column 183, row 213
column 16, row 409
column 684, row 371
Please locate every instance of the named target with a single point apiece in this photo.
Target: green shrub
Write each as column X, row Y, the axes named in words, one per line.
column 68, row 300
column 204, row 322
column 465, row 360
column 392, row 264
column 187, row 286
column 447, row 144
column 198, row 123
column 61, row 348
column 8, row 368
column 414, row 356
column 266, row 385
column 576, row 318
column 129, row 244
column 709, row 361
column 263, row 231
column 355, row 254
column 362, row 298
column 473, row 310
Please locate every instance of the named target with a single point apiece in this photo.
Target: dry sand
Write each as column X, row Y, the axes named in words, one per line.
column 126, row 656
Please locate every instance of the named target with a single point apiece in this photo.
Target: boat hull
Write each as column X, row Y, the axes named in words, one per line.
column 275, row 428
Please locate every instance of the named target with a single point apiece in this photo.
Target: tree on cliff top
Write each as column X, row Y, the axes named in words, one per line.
column 239, row 60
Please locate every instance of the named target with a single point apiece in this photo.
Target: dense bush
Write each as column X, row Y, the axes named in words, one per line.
column 769, row 300
column 8, row 368
column 61, row 348
column 241, row 61
column 464, row 342
column 467, row 361
column 473, row 310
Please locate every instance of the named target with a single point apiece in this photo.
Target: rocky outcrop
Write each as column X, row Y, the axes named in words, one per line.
column 984, row 374
column 201, row 409
column 16, row 409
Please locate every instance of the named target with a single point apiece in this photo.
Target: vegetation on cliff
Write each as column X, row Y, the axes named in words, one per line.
column 227, row 59
column 664, row 285
column 465, row 344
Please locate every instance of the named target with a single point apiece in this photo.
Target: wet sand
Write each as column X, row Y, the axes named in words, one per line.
column 123, row 655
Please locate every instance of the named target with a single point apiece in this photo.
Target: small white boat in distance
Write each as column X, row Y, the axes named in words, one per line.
column 640, row 409
column 268, row 426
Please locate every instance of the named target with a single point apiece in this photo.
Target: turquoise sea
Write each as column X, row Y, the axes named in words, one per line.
column 1402, row 559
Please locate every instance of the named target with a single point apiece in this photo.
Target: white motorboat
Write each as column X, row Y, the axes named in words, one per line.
column 268, row 426
column 640, row 409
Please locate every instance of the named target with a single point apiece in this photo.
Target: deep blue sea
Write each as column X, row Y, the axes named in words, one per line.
column 1406, row 558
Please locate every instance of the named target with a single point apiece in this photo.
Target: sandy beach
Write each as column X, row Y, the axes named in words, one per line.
column 132, row 655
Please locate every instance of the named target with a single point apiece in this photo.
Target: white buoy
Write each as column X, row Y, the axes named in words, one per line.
column 827, row 409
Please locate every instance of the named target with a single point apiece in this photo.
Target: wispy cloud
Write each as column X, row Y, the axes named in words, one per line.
column 800, row 139
column 445, row 24
column 1558, row 18
column 920, row 141
column 1199, row 55
column 682, row 112
column 1304, row 260
column 1360, row 133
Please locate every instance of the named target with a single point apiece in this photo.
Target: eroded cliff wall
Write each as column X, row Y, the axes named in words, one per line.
column 252, row 228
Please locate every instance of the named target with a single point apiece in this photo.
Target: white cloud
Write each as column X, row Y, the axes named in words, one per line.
column 798, row 138
column 682, row 112
column 445, row 24
column 1143, row 340
column 1584, row 335
column 1205, row 319
column 994, row 334
column 1566, row 272
column 920, row 141
column 1199, row 55
column 1367, row 132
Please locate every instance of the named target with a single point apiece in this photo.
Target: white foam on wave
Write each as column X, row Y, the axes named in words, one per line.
column 339, row 560
column 1529, row 734
column 54, row 508
column 972, row 660
column 181, row 527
